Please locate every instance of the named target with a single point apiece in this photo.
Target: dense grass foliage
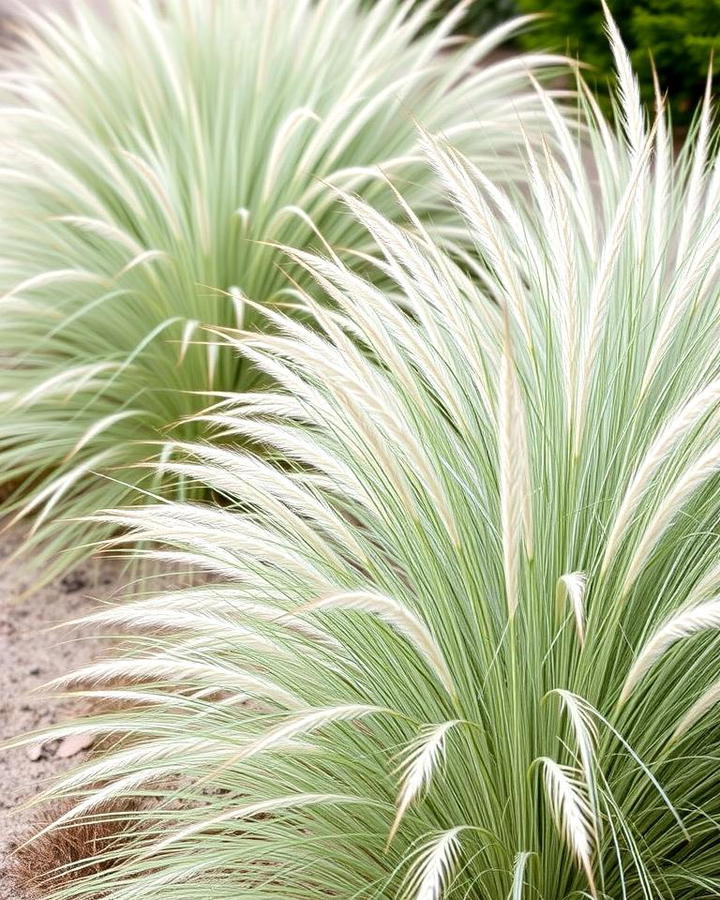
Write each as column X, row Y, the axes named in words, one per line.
column 462, row 636
column 678, row 37
column 146, row 162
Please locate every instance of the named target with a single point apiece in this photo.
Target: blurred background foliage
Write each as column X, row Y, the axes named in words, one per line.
column 482, row 14
column 679, row 35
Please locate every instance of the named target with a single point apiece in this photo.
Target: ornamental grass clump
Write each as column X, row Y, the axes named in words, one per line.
column 461, row 639
column 147, row 162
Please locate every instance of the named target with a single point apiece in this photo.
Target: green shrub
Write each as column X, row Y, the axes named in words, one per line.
column 481, row 14
column 462, row 641
column 679, row 35
column 148, row 162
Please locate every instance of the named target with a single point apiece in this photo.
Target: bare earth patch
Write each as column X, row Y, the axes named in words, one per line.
column 30, row 655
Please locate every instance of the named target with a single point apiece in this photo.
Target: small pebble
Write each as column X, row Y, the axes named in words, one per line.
column 35, row 752
column 74, row 744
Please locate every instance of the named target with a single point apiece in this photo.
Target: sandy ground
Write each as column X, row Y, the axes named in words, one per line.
column 31, row 654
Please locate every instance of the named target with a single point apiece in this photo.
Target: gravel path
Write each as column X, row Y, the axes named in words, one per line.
column 31, row 654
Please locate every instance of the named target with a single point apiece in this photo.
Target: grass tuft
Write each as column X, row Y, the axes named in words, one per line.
column 150, row 162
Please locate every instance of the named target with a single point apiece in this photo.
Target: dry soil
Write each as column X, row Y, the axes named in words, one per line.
column 32, row 651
